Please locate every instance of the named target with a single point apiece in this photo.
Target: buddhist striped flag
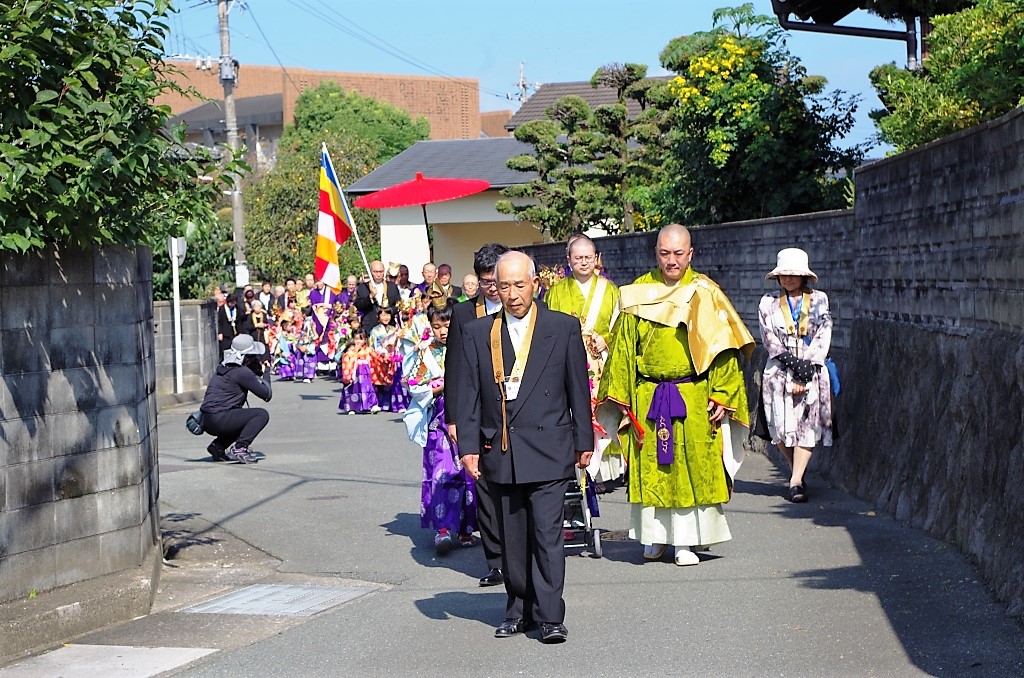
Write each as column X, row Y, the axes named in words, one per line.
column 331, row 227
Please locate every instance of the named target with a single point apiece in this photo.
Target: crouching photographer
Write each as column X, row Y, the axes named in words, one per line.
column 240, row 373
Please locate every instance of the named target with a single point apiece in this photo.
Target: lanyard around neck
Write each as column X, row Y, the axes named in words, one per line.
column 498, row 364
column 796, row 327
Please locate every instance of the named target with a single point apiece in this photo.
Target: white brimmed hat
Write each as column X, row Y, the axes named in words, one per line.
column 241, row 346
column 792, row 261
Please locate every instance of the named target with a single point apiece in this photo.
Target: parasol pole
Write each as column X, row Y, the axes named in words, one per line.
column 348, row 215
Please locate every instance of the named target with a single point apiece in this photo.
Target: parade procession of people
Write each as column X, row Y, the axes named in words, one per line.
column 521, row 383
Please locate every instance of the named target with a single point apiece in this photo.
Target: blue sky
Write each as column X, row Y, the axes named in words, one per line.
column 560, row 40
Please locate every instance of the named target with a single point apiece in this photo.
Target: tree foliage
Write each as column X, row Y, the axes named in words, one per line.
column 974, row 73
column 281, row 207
column 330, row 109
column 751, row 134
column 901, row 9
column 209, row 260
column 594, row 167
column 84, row 156
column 556, row 198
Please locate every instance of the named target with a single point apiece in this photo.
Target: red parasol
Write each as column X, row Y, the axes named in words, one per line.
column 421, row 191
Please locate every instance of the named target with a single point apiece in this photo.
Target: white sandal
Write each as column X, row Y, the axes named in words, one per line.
column 685, row 556
column 654, row 551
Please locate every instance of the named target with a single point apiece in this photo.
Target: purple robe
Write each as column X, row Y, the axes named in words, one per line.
column 448, row 496
column 359, row 396
column 329, row 297
column 396, row 396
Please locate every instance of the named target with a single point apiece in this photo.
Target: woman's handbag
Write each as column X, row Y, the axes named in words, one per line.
column 194, row 423
column 833, row 376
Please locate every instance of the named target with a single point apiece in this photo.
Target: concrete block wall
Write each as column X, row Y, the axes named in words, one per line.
column 78, row 448
column 199, row 351
column 926, row 283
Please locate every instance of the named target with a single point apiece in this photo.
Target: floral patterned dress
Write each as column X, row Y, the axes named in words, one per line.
column 803, row 420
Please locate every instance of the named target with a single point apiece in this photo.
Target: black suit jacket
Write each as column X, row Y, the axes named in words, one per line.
column 454, row 360
column 367, row 305
column 548, row 422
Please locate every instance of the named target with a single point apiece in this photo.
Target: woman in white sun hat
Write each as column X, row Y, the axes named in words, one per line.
column 796, row 328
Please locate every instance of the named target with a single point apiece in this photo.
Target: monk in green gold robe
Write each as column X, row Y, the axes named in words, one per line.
column 595, row 302
column 674, row 369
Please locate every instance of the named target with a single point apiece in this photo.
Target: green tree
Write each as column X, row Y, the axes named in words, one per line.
column 209, row 260
column 752, row 135
column 282, row 205
column 900, row 9
column 628, row 151
column 330, row 109
column 84, row 155
column 594, row 168
column 561, row 198
column 974, row 73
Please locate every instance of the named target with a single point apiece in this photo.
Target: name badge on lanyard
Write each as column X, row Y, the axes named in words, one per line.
column 512, row 388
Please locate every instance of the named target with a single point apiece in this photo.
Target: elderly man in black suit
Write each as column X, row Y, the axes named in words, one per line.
column 523, row 421
column 486, row 303
column 375, row 293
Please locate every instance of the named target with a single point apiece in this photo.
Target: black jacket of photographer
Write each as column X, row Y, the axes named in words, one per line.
column 230, row 387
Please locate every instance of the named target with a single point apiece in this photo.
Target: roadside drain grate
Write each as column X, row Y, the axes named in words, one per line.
column 280, row 599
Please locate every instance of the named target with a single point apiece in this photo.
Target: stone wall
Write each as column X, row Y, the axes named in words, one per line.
column 199, row 351
column 926, row 283
column 78, row 450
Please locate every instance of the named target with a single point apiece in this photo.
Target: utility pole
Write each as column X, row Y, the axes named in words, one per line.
column 229, row 78
column 523, row 88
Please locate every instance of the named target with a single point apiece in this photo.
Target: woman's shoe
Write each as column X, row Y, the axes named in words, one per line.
column 654, row 551
column 467, row 540
column 797, row 494
column 685, row 556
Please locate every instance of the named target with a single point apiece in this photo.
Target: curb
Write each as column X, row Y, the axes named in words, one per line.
column 29, row 626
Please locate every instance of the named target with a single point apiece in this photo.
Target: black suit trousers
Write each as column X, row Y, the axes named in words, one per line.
column 487, row 517
column 532, row 537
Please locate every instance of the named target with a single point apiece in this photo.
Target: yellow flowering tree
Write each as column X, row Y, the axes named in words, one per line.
column 751, row 134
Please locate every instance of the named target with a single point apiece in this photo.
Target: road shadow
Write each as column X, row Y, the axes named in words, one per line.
column 183, row 530
column 468, row 561
column 931, row 594
column 486, row 606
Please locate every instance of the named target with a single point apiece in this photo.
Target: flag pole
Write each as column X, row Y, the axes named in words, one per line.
column 348, row 215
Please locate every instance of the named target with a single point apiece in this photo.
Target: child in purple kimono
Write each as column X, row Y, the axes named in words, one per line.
column 448, row 494
column 358, row 394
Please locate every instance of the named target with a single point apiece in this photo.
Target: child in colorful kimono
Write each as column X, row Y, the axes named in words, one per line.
column 358, row 394
column 385, row 339
column 282, row 348
column 346, row 333
column 448, row 494
column 304, row 356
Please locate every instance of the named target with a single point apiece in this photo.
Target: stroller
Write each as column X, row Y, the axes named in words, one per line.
column 578, row 509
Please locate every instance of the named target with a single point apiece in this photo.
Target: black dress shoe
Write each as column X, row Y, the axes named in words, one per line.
column 553, row 633
column 492, row 578
column 509, row 628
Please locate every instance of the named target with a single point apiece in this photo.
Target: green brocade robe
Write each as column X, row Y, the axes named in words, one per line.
column 566, row 296
column 645, row 353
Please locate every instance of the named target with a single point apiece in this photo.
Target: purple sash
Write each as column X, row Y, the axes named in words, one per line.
column 667, row 405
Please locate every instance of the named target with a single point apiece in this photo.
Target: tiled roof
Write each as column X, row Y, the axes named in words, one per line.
column 266, row 109
column 534, row 107
column 457, row 158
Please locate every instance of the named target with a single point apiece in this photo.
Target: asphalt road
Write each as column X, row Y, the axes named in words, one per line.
column 827, row 588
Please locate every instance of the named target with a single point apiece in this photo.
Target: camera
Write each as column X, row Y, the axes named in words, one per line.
column 255, row 364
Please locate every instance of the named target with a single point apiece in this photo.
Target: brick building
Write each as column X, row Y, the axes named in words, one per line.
column 265, row 99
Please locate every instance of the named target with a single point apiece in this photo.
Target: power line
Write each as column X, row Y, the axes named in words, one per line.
column 369, row 39
column 415, row 61
column 271, row 48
